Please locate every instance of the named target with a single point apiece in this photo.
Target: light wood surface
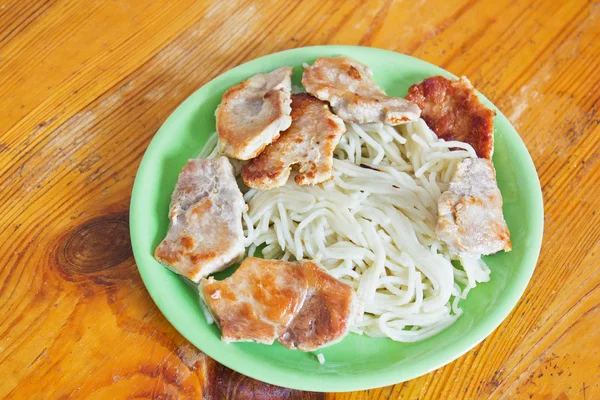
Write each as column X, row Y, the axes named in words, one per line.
column 84, row 85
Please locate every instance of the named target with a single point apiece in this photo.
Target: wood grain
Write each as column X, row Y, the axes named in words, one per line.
column 85, row 85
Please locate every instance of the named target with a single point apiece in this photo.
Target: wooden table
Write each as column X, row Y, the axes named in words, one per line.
column 84, row 85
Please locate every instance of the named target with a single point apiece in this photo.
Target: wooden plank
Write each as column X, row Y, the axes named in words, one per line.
column 81, row 81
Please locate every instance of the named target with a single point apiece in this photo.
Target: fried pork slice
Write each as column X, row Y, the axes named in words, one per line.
column 253, row 113
column 205, row 234
column 470, row 216
column 258, row 301
column 326, row 315
column 453, row 111
column 353, row 95
column 309, row 142
column 266, row 300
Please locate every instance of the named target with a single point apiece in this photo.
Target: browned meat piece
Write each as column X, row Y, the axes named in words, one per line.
column 470, row 216
column 253, row 113
column 258, row 301
column 309, row 142
column 325, row 316
column 266, row 300
column 205, row 234
column 453, row 111
column 347, row 85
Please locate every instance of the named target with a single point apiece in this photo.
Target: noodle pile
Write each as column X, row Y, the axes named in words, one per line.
column 373, row 227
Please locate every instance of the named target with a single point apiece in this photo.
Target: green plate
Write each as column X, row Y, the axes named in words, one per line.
column 357, row 362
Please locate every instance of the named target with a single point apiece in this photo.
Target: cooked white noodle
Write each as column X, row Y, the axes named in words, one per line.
column 373, row 227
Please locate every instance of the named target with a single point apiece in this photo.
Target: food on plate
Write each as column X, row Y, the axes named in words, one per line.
column 326, row 315
column 257, row 302
column 205, row 233
column 353, row 95
column 308, row 142
column 382, row 231
column 298, row 304
column 470, row 216
column 453, row 111
column 373, row 227
column 253, row 113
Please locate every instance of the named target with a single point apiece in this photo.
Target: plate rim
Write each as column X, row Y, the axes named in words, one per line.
column 342, row 383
